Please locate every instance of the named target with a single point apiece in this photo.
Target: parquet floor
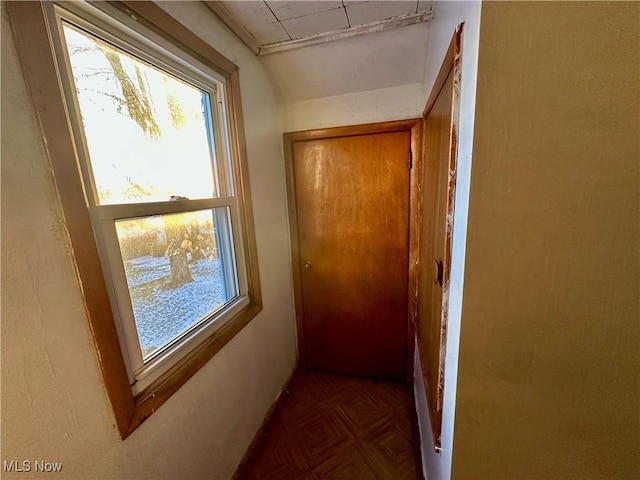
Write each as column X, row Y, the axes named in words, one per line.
column 332, row 427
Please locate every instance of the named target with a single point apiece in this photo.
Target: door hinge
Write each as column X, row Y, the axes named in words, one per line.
column 410, row 159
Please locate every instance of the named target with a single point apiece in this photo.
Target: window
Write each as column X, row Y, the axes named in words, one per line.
column 155, row 129
column 152, row 142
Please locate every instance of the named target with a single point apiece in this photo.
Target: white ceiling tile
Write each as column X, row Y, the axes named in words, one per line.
column 270, row 33
column 425, row 5
column 367, row 12
column 354, row 1
column 293, row 9
column 316, row 23
column 250, row 13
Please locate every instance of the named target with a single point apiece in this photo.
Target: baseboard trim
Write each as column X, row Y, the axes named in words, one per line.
column 257, row 439
column 417, row 437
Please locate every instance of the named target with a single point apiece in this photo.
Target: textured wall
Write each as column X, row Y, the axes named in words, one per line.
column 548, row 374
column 394, row 103
column 53, row 404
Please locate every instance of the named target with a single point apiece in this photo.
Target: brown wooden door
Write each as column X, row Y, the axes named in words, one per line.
column 352, row 196
column 439, row 152
column 436, row 256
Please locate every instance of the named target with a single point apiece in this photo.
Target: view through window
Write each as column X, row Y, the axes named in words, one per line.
column 142, row 120
column 174, row 273
column 152, row 150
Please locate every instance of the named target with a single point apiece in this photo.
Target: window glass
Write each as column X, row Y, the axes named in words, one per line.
column 148, row 133
column 175, row 272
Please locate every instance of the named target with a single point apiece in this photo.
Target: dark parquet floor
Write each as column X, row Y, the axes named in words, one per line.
column 333, row 427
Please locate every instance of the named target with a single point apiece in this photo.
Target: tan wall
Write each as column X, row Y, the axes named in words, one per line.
column 53, row 404
column 548, row 374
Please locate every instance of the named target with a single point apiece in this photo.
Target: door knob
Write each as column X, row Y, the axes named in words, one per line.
column 307, row 266
column 439, row 273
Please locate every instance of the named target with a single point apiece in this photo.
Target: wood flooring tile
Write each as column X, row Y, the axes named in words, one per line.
column 331, row 427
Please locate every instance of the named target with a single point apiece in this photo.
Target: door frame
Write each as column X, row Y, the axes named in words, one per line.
column 414, row 127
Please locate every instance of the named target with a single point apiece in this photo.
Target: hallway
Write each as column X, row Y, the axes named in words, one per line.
column 335, row 427
column 520, row 311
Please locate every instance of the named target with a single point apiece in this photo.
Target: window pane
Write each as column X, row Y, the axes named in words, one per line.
column 149, row 134
column 178, row 273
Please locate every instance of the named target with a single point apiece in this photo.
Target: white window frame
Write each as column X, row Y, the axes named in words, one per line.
column 137, row 389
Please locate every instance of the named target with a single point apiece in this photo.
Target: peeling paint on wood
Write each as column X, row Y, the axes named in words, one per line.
column 325, row 37
column 441, row 139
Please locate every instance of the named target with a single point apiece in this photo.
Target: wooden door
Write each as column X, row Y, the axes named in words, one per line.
column 352, row 202
column 437, row 145
column 439, row 176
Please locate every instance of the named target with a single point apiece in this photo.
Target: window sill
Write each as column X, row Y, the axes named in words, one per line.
column 149, row 400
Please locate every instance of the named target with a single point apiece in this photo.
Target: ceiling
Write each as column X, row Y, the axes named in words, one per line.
column 274, row 26
column 390, row 58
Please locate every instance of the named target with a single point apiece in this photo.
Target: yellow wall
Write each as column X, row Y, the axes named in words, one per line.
column 53, row 404
column 548, row 373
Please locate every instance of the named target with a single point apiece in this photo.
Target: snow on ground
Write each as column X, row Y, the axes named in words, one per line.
column 161, row 314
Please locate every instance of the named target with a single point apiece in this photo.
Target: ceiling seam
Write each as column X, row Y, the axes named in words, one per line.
column 279, row 21
column 346, row 12
column 302, row 16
